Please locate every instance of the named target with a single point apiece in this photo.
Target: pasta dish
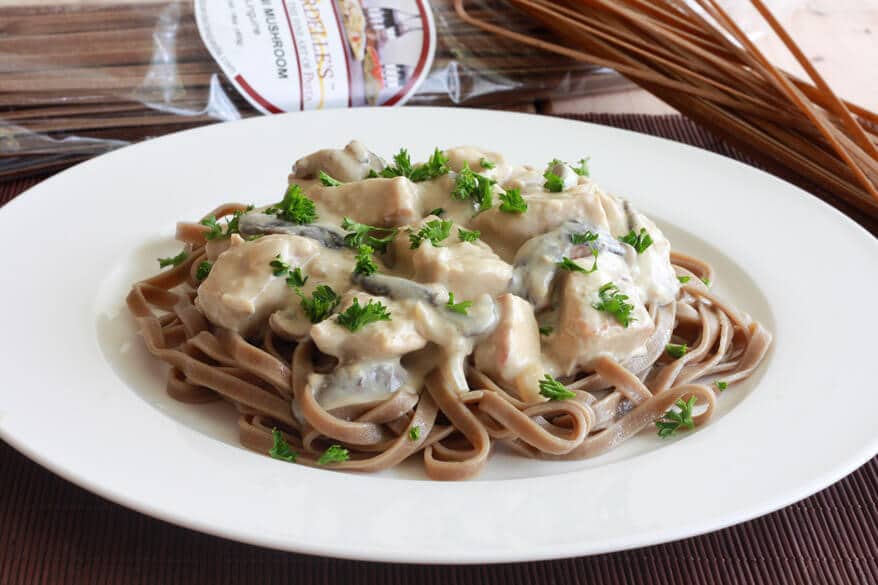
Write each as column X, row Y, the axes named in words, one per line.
column 384, row 310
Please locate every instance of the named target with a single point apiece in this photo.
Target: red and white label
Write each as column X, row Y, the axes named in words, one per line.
column 291, row 55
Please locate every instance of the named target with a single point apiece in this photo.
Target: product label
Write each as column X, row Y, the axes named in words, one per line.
column 291, row 55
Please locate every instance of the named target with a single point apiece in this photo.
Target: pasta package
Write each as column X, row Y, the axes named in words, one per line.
column 79, row 79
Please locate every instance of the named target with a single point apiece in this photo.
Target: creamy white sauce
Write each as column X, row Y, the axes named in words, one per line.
column 510, row 276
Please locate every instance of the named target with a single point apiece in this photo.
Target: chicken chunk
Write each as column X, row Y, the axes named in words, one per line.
column 511, row 353
column 472, row 156
column 352, row 163
column 241, row 289
column 379, row 202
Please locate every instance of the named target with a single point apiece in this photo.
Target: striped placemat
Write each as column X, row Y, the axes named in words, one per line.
column 54, row 532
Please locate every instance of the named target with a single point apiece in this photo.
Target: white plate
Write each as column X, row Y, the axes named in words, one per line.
column 81, row 396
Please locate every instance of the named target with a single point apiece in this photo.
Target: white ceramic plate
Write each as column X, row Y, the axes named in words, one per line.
column 81, row 396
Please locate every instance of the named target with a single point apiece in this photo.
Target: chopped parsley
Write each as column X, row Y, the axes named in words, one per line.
column 232, row 224
column 581, row 168
column 203, row 270
column 278, row 266
column 486, row 164
column 613, row 302
column 402, row 165
column 554, row 183
column 640, row 241
column 296, row 279
column 684, row 279
column 173, row 260
column 435, row 231
column 571, row 266
column 365, row 263
column 436, row 166
column 546, row 330
column 335, row 454
column 513, row 202
column 706, row 281
column 361, row 233
column 358, row 316
column 329, row 181
column 295, row 207
column 461, row 307
column 478, row 188
column 468, row 235
column 438, row 212
column 554, row 390
column 414, row 433
column 322, row 302
column 214, row 230
column 583, row 238
column 721, row 385
column 672, row 421
column 281, row 449
column 676, row 350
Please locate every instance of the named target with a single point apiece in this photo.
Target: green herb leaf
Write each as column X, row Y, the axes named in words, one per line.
column 358, row 316
column 546, row 330
column 613, row 302
column 414, row 433
column 672, row 420
column 639, row 242
column 174, row 260
column 365, row 263
column 554, row 390
column 361, row 233
column 721, row 385
column 684, row 279
column 554, row 183
column 581, row 168
column 438, row 212
column 461, row 307
column 468, row 235
column 203, row 270
column 335, row 454
column 402, row 168
column 571, row 266
column 215, row 231
column 706, row 282
column 486, row 164
column 329, row 181
column 583, row 238
column 322, row 302
column 296, row 278
column 372, row 174
column 675, row 350
column 281, row 449
column 436, row 166
column 279, row 267
column 294, row 207
column 435, row 230
column 232, row 224
column 469, row 185
column 513, row 202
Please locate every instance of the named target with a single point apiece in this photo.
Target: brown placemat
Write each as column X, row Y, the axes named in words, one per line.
column 54, row 532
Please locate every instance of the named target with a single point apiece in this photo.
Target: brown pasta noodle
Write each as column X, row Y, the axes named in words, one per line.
column 452, row 431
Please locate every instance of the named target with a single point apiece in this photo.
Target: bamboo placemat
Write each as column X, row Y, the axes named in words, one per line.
column 54, row 532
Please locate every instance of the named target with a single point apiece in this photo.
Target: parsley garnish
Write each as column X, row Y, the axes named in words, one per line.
column 403, row 166
column 470, row 185
column 672, row 421
column 582, row 168
column 215, row 231
column 360, row 233
column 639, row 242
column 296, row 279
column 706, row 281
column 294, row 207
column 613, row 302
column 335, row 454
column 365, row 263
column 438, row 212
column 436, row 166
column 414, row 433
column 372, row 174
column 554, row 183
column 279, row 267
column 281, row 449
column 546, row 330
column 553, row 389
column 677, row 351
column 721, row 385
column 571, row 266
column 203, row 270
column 513, row 202
column 684, row 279
column 232, row 224
column 583, row 238
column 329, row 181
column 486, row 164
column 461, row 307
column 468, row 235
column 358, row 316
column 322, row 302
column 435, row 230
column 174, row 260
